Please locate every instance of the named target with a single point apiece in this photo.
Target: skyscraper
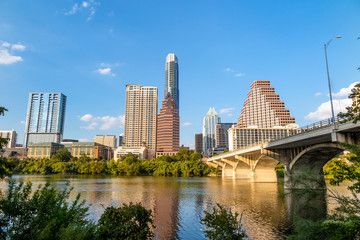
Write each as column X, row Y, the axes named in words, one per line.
column 172, row 78
column 167, row 140
column 45, row 118
column 199, row 143
column 140, row 116
column 221, row 135
column 209, row 123
column 263, row 108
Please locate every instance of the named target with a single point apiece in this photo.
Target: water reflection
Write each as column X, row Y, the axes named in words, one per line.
column 178, row 203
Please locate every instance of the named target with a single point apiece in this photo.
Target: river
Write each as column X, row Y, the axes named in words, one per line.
column 179, row 203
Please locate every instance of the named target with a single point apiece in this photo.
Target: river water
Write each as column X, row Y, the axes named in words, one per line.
column 178, row 204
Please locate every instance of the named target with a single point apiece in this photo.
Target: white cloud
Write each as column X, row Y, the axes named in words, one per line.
column 85, row 4
column 19, row 47
column 6, row 58
column 73, row 10
column 22, row 122
column 88, row 7
column 189, row 145
column 228, row 70
column 318, row 94
column 344, row 92
column 324, row 110
column 6, row 44
column 186, row 124
column 226, row 110
column 239, row 75
column 106, row 71
column 104, row 123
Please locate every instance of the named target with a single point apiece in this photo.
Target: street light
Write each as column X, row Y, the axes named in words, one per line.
column 328, row 75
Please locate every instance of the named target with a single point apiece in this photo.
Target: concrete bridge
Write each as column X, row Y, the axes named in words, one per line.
column 303, row 155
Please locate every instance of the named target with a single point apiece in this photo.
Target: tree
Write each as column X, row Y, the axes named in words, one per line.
column 43, row 214
column 223, row 224
column 131, row 221
column 2, row 111
column 62, row 155
column 353, row 111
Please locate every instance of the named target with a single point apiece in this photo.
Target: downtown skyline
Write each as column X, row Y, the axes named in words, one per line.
column 90, row 52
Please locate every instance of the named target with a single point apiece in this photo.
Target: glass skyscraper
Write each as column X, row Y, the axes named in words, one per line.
column 209, row 127
column 45, row 118
column 172, row 78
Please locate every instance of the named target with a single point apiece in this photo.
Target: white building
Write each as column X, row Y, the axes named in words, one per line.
column 10, row 136
column 122, row 151
column 209, row 123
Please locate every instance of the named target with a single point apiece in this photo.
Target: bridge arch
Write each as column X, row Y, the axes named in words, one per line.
column 242, row 170
column 227, row 170
column 264, row 169
column 306, row 169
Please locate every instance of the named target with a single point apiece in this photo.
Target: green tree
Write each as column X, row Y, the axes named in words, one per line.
column 62, row 155
column 2, row 111
column 223, row 224
column 43, row 214
column 131, row 221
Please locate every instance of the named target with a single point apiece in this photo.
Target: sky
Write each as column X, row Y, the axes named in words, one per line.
column 89, row 50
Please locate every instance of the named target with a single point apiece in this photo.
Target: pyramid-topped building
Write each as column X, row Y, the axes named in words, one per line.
column 167, row 142
column 263, row 108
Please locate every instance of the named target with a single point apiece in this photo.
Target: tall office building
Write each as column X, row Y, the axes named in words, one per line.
column 168, row 132
column 199, row 143
column 45, row 118
column 221, row 135
column 172, row 78
column 140, row 116
column 209, row 123
column 263, row 108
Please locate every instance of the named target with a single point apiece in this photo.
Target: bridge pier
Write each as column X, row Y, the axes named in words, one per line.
column 304, row 178
column 263, row 175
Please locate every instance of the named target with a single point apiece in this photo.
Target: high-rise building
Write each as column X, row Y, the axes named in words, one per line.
column 167, row 139
column 263, row 108
column 121, row 139
column 140, row 117
column 209, row 123
column 10, row 136
column 199, row 143
column 172, row 78
column 45, row 118
column 221, row 135
column 106, row 140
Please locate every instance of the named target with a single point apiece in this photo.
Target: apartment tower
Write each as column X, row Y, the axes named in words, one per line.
column 209, row 123
column 45, row 118
column 172, row 78
column 140, row 116
column 167, row 141
column 263, row 108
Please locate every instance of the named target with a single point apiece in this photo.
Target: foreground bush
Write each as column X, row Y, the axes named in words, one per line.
column 222, row 224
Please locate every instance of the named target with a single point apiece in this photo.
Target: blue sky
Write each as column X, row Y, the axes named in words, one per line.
column 89, row 50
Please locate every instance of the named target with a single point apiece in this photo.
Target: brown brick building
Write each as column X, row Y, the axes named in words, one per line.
column 263, row 108
column 168, row 132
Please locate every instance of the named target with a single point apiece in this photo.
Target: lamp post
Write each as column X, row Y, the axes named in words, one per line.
column 328, row 76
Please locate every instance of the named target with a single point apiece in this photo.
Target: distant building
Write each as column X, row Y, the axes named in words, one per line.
column 70, row 140
column 17, row 152
column 11, row 136
column 43, row 150
column 221, row 135
column 168, row 131
column 45, row 118
column 106, row 140
column 199, row 143
column 141, row 117
column 89, row 149
column 172, row 78
column 121, row 139
column 263, row 108
column 244, row 137
column 209, row 123
column 122, row 151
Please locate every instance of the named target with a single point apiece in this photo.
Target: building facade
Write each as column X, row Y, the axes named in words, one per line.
column 209, row 123
column 221, row 135
column 106, row 140
column 122, row 151
column 263, row 108
column 90, row 149
column 172, row 78
column 43, row 150
column 45, row 118
column 121, row 139
column 11, row 136
column 141, row 117
column 199, row 143
column 168, row 130
column 240, row 138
